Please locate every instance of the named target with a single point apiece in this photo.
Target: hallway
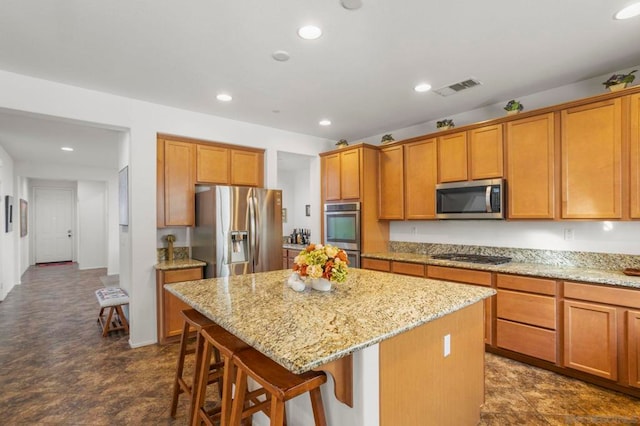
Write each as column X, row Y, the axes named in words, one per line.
column 56, row 369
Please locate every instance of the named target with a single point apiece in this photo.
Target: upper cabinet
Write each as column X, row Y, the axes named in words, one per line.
column 452, row 157
column 530, row 147
column 183, row 162
column 485, row 152
column 391, row 175
column 341, row 175
column 421, row 176
column 635, row 157
column 476, row 154
column 592, row 161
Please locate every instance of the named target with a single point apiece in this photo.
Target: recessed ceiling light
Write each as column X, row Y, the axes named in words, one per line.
column 351, row 4
column 309, row 32
column 224, row 97
column 422, row 87
column 325, row 122
column 67, row 148
column 280, row 55
column 628, row 12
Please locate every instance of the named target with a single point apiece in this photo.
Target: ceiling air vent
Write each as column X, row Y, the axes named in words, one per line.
column 457, row 87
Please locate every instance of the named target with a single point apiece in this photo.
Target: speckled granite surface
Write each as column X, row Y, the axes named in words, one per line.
column 304, row 330
column 294, row 246
column 598, row 268
column 180, row 264
column 179, row 253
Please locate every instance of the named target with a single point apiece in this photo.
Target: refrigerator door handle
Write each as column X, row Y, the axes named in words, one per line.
column 255, row 235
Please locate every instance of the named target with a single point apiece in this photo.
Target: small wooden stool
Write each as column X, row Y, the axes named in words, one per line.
column 193, row 320
column 279, row 384
column 217, row 338
column 113, row 298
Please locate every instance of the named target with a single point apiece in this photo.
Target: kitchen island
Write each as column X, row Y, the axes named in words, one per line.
column 397, row 329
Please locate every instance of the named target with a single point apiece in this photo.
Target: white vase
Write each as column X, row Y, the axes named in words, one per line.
column 321, row 284
column 617, row 87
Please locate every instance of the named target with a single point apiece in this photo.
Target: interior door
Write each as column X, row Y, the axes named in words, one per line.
column 53, row 224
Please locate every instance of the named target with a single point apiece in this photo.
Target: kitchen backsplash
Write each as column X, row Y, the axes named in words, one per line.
column 592, row 260
column 179, row 253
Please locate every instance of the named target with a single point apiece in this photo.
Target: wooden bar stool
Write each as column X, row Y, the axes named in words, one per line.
column 193, row 321
column 216, row 338
column 279, row 385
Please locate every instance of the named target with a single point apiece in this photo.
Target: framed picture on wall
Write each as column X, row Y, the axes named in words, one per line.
column 23, row 217
column 8, row 213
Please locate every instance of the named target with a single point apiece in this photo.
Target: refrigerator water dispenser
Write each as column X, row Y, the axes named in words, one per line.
column 239, row 246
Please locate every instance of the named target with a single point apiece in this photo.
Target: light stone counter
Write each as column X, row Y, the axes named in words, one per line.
column 179, row 264
column 302, row 331
column 573, row 273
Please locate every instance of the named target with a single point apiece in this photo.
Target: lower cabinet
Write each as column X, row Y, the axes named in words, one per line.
column 527, row 316
column 397, row 267
column 633, row 338
column 169, row 306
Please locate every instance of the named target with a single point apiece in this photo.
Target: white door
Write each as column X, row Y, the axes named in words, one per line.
column 53, row 219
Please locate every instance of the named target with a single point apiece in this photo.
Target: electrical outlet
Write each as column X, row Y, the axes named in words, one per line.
column 447, row 345
column 569, row 235
column 414, row 230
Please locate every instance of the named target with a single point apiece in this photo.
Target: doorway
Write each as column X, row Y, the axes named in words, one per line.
column 53, row 224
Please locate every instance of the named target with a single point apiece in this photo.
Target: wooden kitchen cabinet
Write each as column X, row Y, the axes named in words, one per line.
column 421, row 177
column 341, row 172
column 176, row 176
column 212, row 164
column 395, row 266
column 592, row 161
column 530, row 164
column 247, row 167
column 168, row 306
column 469, row 276
column 375, row 264
column 486, row 158
column 634, row 184
column 452, row 157
column 633, row 342
column 527, row 316
column 391, row 176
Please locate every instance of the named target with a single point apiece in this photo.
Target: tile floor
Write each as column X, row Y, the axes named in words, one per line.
column 56, row 369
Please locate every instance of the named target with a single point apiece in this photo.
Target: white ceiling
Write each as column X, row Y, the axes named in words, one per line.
column 360, row 74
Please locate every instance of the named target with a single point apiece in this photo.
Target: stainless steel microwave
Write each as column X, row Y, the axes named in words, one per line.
column 477, row 199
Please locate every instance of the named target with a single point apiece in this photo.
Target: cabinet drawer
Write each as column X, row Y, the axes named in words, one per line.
column 284, row 252
column 376, row 264
column 407, row 268
column 462, row 275
column 528, row 284
column 177, row 275
column 601, row 294
column 527, row 308
column 525, row 339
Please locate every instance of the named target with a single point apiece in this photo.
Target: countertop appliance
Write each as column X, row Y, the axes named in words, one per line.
column 342, row 229
column 477, row 199
column 473, row 258
column 238, row 230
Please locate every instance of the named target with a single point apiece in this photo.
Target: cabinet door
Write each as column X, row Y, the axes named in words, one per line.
column 635, row 156
column 169, row 306
column 350, row 174
column 247, row 168
column 590, row 340
column 452, row 157
column 179, row 183
column 591, row 161
column 391, row 185
column 633, row 343
column 421, row 176
column 530, row 145
column 331, row 172
column 485, row 152
column 212, row 164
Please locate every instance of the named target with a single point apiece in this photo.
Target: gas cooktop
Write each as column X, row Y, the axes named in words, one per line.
column 472, row 258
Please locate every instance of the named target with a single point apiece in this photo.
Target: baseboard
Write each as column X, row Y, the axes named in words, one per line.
column 141, row 344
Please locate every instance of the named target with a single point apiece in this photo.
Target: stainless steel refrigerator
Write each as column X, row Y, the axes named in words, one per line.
column 238, row 230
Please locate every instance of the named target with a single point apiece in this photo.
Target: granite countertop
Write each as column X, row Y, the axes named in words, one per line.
column 596, row 276
column 179, row 264
column 294, row 246
column 304, row 330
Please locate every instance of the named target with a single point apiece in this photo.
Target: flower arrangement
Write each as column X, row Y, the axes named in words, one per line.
column 620, row 78
column 322, row 261
column 447, row 123
column 513, row 105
